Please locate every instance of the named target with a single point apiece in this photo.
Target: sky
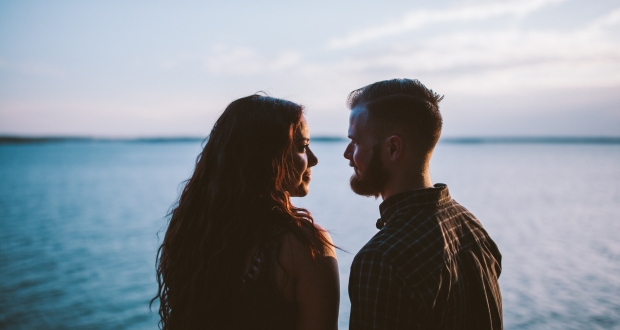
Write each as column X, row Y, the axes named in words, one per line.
column 168, row 69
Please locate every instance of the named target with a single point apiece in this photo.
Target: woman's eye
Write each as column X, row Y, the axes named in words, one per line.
column 304, row 148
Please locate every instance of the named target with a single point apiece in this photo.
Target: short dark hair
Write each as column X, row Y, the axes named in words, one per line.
column 405, row 104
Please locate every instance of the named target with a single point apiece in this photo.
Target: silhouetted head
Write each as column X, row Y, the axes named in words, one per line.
column 403, row 109
column 258, row 147
column 255, row 158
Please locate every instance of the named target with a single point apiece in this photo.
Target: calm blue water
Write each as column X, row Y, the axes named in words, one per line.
column 79, row 223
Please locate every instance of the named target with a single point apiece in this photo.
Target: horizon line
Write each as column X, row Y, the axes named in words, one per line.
column 23, row 139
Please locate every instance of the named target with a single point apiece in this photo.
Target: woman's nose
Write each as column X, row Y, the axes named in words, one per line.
column 312, row 160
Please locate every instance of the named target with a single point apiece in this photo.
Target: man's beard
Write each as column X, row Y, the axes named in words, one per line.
column 372, row 182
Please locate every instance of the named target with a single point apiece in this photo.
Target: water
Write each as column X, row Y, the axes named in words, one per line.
column 79, row 223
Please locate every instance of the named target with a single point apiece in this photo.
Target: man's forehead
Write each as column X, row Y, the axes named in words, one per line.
column 358, row 118
column 359, row 111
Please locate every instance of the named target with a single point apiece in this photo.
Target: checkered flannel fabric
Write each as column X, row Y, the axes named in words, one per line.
column 432, row 266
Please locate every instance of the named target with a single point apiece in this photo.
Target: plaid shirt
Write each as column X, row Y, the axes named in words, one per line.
column 432, row 266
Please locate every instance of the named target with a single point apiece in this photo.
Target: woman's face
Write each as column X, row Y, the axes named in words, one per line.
column 303, row 160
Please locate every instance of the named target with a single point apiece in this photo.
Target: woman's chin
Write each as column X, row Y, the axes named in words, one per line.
column 301, row 191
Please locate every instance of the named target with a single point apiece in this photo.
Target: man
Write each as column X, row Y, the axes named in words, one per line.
column 432, row 265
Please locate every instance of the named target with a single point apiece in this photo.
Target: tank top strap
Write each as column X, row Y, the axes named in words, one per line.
column 255, row 267
column 265, row 255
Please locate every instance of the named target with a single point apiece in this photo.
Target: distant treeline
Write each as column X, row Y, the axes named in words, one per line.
column 53, row 139
column 452, row 140
column 534, row 139
column 26, row 139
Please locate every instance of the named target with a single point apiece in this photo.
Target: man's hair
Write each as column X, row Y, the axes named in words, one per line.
column 404, row 104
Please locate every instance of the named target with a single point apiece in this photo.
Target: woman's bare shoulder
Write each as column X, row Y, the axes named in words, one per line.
column 297, row 259
column 299, row 250
column 315, row 278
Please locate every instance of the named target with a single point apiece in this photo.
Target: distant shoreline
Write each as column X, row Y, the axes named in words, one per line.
column 8, row 139
column 533, row 140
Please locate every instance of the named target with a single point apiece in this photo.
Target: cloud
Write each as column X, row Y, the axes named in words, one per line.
column 500, row 59
column 463, row 52
column 610, row 20
column 244, row 61
column 418, row 19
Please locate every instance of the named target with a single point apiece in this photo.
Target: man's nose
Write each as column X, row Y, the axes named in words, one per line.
column 348, row 152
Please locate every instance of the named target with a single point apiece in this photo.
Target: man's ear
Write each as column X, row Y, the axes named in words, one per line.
column 395, row 147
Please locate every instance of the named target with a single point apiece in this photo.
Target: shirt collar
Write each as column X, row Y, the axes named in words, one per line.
column 436, row 196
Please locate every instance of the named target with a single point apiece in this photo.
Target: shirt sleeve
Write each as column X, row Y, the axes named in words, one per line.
column 376, row 293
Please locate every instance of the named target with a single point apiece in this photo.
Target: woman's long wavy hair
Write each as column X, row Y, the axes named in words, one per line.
column 243, row 173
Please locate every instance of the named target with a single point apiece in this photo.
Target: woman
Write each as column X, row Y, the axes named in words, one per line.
column 237, row 254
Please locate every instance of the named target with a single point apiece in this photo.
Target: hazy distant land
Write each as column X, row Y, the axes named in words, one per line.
column 8, row 139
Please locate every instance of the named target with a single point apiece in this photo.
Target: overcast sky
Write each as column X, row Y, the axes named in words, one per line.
column 150, row 68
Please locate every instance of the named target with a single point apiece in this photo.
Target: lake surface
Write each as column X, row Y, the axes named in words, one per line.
column 79, row 224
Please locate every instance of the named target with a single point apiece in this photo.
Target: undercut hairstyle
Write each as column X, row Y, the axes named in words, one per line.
column 401, row 104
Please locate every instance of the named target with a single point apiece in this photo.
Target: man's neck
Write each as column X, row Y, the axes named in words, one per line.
column 407, row 182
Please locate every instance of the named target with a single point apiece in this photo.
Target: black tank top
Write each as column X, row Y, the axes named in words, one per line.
column 263, row 305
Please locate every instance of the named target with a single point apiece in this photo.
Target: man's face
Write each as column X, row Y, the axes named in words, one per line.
column 364, row 154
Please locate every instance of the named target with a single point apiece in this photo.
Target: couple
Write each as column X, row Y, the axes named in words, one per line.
column 238, row 255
